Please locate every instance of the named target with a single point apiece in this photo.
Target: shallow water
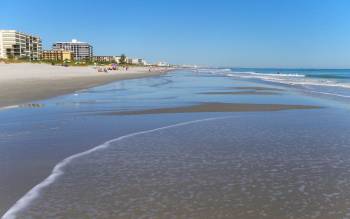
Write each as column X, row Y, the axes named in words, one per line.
column 251, row 166
column 290, row 164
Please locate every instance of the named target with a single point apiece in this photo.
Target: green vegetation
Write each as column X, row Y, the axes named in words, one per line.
column 122, row 59
column 51, row 62
column 13, row 59
column 87, row 62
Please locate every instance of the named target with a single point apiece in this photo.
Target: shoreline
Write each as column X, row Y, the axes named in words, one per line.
column 21, row 83
column 51, row 143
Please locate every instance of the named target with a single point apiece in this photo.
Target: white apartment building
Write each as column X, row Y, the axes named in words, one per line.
column 163, row 64
column 14, row 44
column 82, row 51
column 114, row 59
column 117, row 59
column 137, row 61
column 142, row 62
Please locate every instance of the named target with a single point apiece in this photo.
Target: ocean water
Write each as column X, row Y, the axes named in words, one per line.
column 65, row 159
column 329, row 82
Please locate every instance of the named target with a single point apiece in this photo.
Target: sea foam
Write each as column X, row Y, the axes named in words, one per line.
column 291, row 79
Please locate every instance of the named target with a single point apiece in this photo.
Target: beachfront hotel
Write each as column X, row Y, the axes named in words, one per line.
column 82, row 51
column 57, row 55
column 106, row 59
column 14, row 44
column 116, row 59
column 133, row 61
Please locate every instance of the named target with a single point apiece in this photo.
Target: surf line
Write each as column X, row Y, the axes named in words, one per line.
column 9, row 107
column 326, row 93
column 58, row 171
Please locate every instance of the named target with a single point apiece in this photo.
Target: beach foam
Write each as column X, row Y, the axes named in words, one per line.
column 332, row 94
column 213, row 70
column 274, row 75
column 9, row 107
column 326, row 84
column 291, row 79
column 333, row 85
column 34, row 193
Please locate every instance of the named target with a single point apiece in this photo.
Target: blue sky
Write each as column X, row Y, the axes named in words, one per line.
column 239, row 33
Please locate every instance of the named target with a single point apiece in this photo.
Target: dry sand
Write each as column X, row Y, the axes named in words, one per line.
column 217, row 107
column 20, row 83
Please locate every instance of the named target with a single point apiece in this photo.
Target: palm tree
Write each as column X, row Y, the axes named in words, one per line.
column 122, row 59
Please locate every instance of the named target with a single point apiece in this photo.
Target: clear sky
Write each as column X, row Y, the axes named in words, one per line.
column 239, row 33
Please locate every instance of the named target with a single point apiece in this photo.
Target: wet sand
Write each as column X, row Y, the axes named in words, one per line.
column 264, row 164
column 14, row 93
column 248, row 166
column 20, row 83
column 217, row 107
column 257, row 88
column 241, row 93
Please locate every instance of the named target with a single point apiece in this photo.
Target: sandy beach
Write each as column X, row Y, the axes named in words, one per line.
column 20, row 83
column 183, row 144
column 175, row 109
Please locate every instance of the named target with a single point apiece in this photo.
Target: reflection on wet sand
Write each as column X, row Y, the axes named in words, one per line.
column 287, row 164
column 242, row 93
column 216, row 107
column 246, row 167
column 257, row 88
column 31, row 105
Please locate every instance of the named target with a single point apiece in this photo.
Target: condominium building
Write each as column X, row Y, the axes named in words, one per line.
column 114, row 59
column 163, row 64
column 82, row 51
column 133, row 61
column 14, row 44
column 142, row 62
column 104, row 59
column 118, row 58
column 57, row 55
